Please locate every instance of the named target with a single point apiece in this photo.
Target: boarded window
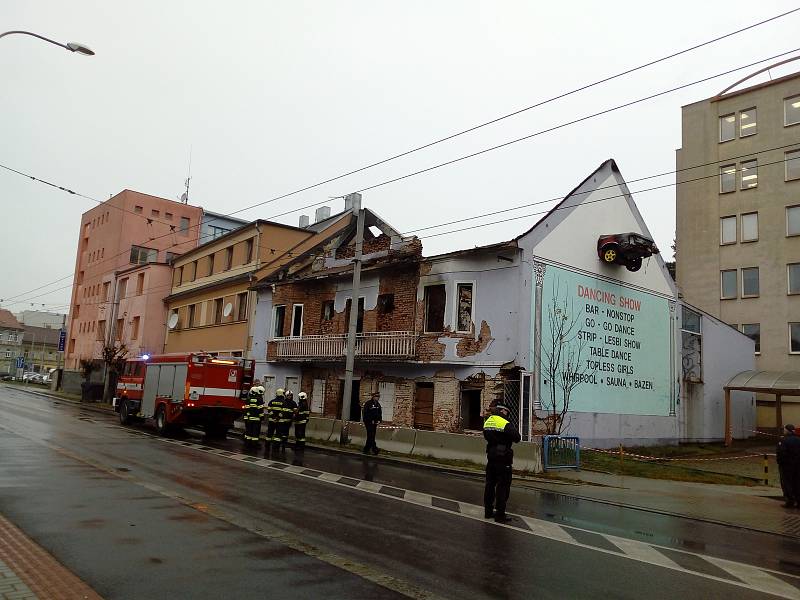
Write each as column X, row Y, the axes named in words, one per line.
column 464, row 297
column 318, row 396
column 423, row 406
column 386, row 390
column 278, row 321
column 435, row 299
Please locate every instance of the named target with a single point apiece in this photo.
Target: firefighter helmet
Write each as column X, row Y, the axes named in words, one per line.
column 302, row 396
column 280, row 392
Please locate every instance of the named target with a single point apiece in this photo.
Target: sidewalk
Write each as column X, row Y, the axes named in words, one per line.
column 28, row 572
column 749, row 507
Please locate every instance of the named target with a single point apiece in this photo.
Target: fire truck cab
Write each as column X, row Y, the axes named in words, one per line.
column 177, row 390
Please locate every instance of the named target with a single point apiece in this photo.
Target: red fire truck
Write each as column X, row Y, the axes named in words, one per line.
column 184, row 389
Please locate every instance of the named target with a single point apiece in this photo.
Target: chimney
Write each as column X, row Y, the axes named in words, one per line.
column 303, row 221
column 323, row 212
column 352, row 202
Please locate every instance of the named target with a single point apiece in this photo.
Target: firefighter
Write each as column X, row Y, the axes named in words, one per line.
column 254, row 412
column 301, row 420
column 500, row 434
column 288, row 412
column 274, row 413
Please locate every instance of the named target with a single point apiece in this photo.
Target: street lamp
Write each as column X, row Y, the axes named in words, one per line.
column 71, row 46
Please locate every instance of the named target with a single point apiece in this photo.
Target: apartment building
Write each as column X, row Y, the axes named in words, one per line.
column 738, row 215
column 122, row 272
column 11, row 336
column 209, row 303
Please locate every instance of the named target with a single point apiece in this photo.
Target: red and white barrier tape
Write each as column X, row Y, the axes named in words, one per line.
column 682, row 458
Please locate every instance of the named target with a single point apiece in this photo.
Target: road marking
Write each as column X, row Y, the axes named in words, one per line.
column 755, row 577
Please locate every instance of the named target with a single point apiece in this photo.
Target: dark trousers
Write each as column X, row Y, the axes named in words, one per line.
column 498, row 487
column 272, row 428
column 300, row 434
column 372, row 429
column 790, row 482
column 283, row 433
column 252, row 431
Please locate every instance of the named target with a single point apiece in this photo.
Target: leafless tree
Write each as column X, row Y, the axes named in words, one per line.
column 113, row 356
column 562, row 360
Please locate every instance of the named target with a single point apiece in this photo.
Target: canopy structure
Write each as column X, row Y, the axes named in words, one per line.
column 778, row 383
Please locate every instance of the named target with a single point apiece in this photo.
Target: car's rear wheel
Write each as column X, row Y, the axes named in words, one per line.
column 634, row 264
column 609, row 253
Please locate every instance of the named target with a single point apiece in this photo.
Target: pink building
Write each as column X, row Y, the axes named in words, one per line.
column 122, row 273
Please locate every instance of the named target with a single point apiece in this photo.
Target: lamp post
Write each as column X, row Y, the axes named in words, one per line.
column 71, row 46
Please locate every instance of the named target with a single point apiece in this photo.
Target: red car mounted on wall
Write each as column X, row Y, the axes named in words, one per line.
column 626, row 249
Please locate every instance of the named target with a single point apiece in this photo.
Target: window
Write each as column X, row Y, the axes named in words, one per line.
column 218, row 231
column 748, row 123
column 793, row 220
column 727, row 127
column 359, row 316
column 168, row 216
column 192, row 315
column 218, row 310
column 435, row 300
column 120, row 329
column 241, row 302
column 750, row 282
column 210, row 264
column 792, row 162
column 248, row 251
column 327, row 310
column 77, row 312
column 137, row 209
column 750, row 227
column 464, row 307
column 228, row 258
column 170, row 256
column 793, row 275
column 193, row 270
column 727, row 230
column 122, row 289
column 179, row 278
column 794, row 338
column 791, row 111
column 155, row 213
column 278, row 321
column 297, row 320
column 691, row 320
column 753, row 331
column 139, row 284
column 385, row 303
column 184, row 228
column 749, row 174
column 727, row 179
column 135, row 328
column 728, row 284
column 141, row 255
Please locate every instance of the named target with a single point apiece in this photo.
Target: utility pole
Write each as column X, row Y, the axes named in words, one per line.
column 355, row 199
column 109, row 341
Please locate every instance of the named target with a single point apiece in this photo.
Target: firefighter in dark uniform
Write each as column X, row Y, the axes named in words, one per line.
column 787, row 454
column 301, row 420
column 274, row 414
column 500, row 434
column 285, row 421
column 253, row 414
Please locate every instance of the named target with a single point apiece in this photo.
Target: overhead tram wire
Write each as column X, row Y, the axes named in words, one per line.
column 557, row 97
column 538, row 213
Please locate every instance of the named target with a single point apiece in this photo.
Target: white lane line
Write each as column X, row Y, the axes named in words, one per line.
column 632, row 550
column 756, row 577
column 643, row 551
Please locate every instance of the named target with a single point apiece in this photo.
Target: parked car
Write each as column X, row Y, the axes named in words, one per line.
column 7, row 378
column 627, row 249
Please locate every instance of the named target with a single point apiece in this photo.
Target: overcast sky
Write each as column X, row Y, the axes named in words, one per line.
column 273, row 96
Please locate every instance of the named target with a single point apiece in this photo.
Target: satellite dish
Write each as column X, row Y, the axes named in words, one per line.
column 226, row 312
column 173, row 320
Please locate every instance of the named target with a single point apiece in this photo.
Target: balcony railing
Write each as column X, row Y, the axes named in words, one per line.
column 378, row 344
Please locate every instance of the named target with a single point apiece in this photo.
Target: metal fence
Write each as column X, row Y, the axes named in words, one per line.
column 561, row 452
column 512, row 400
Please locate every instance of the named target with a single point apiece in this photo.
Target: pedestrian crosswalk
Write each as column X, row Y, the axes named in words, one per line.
column 734, row 573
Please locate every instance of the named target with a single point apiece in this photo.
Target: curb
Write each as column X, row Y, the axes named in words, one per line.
column 92, row 406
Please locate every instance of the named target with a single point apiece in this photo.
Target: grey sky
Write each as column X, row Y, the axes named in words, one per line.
column 273, row 96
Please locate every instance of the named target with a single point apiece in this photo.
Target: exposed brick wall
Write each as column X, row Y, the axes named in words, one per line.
column 470, row 346
column 370, row 246
column 311, row 295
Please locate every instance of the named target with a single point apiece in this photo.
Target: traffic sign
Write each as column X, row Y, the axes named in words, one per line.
column 62, row 340
column 20, row 362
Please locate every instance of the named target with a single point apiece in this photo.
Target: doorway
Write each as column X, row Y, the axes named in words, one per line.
column 471, row 417
column 355, row 405
column 423, row 406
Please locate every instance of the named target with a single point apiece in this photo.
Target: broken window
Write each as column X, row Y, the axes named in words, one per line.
column 327, row 310
column 280, row 317
column 297, row 320
column 360, row 319
column 464, row 307
column 435, row 299
column 386, row 303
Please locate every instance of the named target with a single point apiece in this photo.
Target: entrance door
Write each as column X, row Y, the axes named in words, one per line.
column 293, row 384
column 355, row 405
column 423, row 406
column 471, row 417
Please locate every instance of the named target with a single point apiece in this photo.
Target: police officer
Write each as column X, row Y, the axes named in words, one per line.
column 274, row 413
column 301, row 420
column 787, row 455
column 288, row 411
column 500, row 434
column 372, row 414
column 253, row 414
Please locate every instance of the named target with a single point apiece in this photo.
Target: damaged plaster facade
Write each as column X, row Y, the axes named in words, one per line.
column 441, row 337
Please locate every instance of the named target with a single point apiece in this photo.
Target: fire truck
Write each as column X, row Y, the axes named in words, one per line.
column 177, row 390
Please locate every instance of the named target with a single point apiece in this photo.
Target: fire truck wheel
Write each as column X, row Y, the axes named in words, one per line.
column 124, row 415
column 161, row 421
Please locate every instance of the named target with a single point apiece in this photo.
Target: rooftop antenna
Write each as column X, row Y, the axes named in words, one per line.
column 185, row 195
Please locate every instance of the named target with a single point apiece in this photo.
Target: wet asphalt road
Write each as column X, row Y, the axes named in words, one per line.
column 138, row 518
